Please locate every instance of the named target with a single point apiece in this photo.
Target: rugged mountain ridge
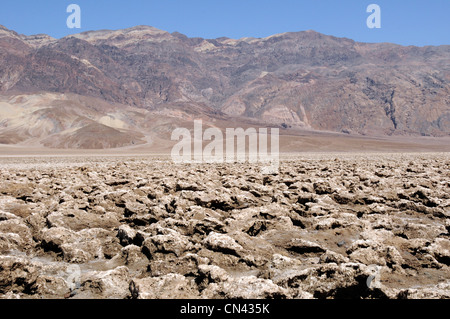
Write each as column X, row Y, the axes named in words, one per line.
column 300, row 79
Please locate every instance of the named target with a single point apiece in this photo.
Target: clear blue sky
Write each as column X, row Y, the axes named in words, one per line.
column 406, row 22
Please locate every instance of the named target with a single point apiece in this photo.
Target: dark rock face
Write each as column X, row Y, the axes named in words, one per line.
column 304, row 79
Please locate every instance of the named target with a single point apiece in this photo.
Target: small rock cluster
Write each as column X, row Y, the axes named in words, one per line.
column 325, row 226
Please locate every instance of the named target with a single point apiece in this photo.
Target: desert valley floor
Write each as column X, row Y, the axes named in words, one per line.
column 330, row 225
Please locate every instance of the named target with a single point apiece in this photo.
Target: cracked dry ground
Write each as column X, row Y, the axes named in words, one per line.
column 326, row 226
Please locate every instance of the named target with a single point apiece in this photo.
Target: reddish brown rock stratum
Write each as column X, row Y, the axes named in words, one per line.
column 125, row 79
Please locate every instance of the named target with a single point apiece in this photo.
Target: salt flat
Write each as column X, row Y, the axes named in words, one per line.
column 328, row 225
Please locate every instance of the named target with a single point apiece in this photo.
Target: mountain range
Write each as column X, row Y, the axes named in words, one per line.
column 108, row 89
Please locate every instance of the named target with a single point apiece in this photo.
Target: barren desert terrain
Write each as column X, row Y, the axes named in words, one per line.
column 328, row 225
column 92, row 205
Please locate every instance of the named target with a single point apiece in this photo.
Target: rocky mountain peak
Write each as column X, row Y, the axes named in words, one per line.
column 124, row 37
column 296, row 80
column 5, row 32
